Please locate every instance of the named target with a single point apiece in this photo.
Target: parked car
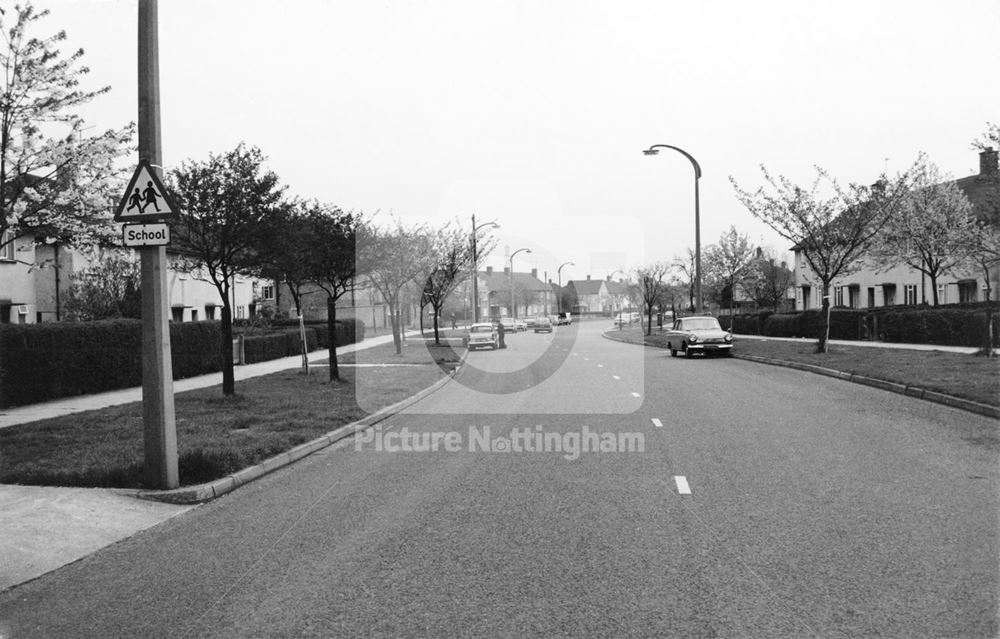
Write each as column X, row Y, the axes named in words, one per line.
column 529, row 322
column 626, row 318
column 564, row 319
column 509, row 324
column 692, row 335
column 543, row 325
column 521, row 325
column 482, row 335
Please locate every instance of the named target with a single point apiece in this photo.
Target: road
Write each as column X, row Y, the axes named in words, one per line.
column 762, row 502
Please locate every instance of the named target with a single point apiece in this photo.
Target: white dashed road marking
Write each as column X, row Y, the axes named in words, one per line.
column 682, row 484
column 634, row 394
column 616, row 377
column 657, row 423
column 600, row 366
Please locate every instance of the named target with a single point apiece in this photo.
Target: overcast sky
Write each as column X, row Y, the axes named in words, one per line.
column 535, row 113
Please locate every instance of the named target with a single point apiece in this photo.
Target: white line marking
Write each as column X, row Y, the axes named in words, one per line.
column 634, row 394
column 682, row 484
column 600, row 366
column 616, row 377
column 657, row 423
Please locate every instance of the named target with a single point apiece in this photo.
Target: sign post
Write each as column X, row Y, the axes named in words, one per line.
column 145, row 191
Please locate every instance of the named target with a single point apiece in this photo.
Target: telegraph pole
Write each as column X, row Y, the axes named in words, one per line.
column 159, row 427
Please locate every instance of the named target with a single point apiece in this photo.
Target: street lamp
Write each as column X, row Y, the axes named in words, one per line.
column 611, row 275
column 475, row 267
column 513, row 308
column 653, row 150
column 559, row 273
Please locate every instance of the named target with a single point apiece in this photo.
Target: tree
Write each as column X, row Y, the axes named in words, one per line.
column 287, row 250
column 452, row 261
column 650, row 284
column 225, row 204
column 933, row 232
column 394, row 257
column 111, row 288
column 56, row 188
column 767, row 281
column 333, row 262
column 686, row 266
column 833, row 232
column 730, row 259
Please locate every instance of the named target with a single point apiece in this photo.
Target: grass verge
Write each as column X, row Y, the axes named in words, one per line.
column 966, row 376
column 217, row 435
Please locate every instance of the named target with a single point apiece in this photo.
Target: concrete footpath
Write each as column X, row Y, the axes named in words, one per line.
column 43, row 528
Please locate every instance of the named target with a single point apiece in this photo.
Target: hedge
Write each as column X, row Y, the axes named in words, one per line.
column 951, row 326
column 41, row 362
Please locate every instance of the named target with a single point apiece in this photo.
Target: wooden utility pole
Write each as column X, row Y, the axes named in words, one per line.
column 159, row 428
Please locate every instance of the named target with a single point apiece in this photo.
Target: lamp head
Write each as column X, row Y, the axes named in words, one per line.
column 651, row 152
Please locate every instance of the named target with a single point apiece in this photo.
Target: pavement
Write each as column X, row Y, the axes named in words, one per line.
column 43, row 528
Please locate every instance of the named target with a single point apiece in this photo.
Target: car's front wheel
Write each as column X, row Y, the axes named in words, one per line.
column 673, row 351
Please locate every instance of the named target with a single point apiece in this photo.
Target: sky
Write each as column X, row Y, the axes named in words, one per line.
column 534, row 114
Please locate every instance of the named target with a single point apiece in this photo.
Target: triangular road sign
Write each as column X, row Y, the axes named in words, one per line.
column 145, row 198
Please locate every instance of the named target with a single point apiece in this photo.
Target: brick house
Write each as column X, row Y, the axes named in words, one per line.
column 871, row 287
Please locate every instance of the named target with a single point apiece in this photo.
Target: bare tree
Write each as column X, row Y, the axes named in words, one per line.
column 833, row 232
column 452, row 260
column 649, row 280
column 685, row 265
column 395, row 255
column 986, row 243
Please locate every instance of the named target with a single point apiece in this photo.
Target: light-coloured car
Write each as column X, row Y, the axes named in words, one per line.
column 692, row 335
column 626, row 318
column 543, row 325
column 521, row 325
column 481, row 336
column 509, row 324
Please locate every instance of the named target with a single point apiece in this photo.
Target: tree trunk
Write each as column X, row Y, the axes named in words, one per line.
column 437, row 317
column 228, row 378
column 824, row 325
column 396, row 338
column 934, row 295
column 331, row 328
column 649, row 320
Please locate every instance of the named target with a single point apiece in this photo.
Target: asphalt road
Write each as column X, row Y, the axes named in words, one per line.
column 764, row 502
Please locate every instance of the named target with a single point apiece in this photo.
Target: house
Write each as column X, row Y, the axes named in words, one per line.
column 592, row 296
column 872, row 287
column 515, row 294
column 35, row 280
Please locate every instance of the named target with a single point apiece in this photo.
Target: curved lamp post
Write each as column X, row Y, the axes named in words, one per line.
column 475, row 267
column 513, row 308
column 655, row 149
column 559, row 273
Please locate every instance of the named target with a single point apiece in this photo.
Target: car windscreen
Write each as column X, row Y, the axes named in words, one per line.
column 482, row 329
column 707, row 324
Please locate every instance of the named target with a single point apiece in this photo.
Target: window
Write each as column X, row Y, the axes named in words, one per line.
column 871, row 297
column 267, row 292
column 838, row 296
column 194, row 315
column 888, row 294
column 7, row 248
column 910, row 295
column 240, row 310
column 177, row 314
column 210, row 312
column 942, row 294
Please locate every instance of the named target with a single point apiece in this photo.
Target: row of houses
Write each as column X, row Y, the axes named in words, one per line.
column 35, row 279
column 871, row 286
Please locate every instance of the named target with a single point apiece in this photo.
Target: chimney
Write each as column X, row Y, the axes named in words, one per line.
column 534, row 273
column 506, row 270
column 489, row 271
column 588, row 277
column 988, row 162
column 760, row 252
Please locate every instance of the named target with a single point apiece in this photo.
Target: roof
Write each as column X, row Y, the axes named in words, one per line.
column 498, row 280
column 586, row 287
